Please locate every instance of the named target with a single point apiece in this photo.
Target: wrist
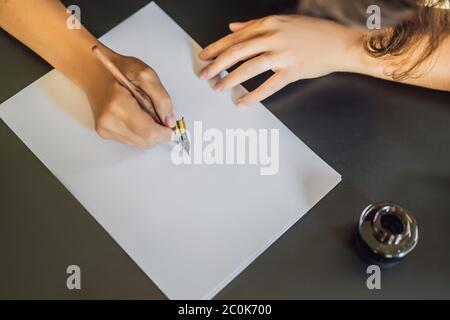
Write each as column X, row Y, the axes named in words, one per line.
column 358, row 60
column 353, row 56
column 92, row 73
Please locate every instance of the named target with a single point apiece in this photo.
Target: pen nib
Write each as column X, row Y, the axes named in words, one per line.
column 186, row 145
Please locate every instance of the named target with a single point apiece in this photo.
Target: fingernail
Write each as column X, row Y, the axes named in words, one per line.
column 204, row 74
column 241, row 103
column 170, row 120
column 202, row 54
column 218, row 87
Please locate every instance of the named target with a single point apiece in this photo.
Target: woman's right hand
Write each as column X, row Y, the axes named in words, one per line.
column 117, row 114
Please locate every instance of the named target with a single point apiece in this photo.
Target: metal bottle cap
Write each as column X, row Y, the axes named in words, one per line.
column 388, row 231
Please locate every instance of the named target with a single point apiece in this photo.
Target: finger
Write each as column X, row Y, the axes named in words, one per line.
column 109, row 135
column 113, row 129
column 148, row 131
column 233, row 55
column 153, row 87
column 125, row 135
column 152, row 134
column 237, row 26
column 272, row 85
column 218, row 47
column 246, row 71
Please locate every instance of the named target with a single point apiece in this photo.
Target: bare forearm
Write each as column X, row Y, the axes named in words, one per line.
column 41, row 25
column 433, row 73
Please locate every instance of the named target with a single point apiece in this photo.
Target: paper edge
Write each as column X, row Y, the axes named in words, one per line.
column 253, row 258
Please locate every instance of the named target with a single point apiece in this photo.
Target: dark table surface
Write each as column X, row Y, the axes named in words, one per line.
column 389, row 142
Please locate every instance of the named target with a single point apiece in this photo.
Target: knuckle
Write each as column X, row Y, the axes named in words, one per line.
column 235, row 49
column 268, row 21
column 102, row 122
column 272, row 21
column 147, row 74
column 101, row 132
column 265, row 62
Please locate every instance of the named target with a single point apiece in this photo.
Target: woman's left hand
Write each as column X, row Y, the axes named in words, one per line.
column 293, row 47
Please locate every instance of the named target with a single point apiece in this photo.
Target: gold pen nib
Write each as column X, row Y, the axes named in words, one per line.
column 181, row 131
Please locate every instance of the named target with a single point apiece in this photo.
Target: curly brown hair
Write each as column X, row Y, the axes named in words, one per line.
column 412, row 30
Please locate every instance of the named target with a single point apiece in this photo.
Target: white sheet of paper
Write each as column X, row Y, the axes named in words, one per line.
column 191, row 228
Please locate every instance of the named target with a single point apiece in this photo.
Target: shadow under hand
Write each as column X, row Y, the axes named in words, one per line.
column 88, row 150
column 68, row 98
